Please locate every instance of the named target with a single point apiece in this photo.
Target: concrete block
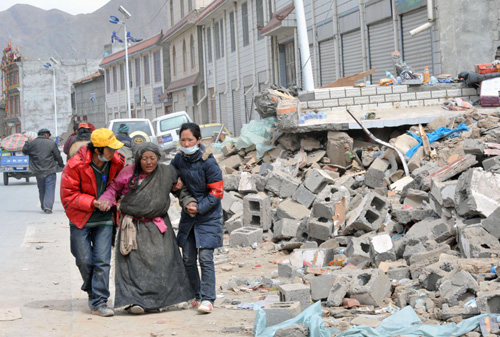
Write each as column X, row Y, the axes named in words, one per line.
column 476, row 242
column 369, row 214
column 490, row 163
column 376, row 173
column 384, row 90
column 399, row 89
column 281, row 311
column 233, row 162
column 257, row 211
column 368, row 91
column 473, row 146
column 303, row 196
column 488, row 303
column 392, row 98
column 408, row 96
column 285, row 229
column 337, row 92
column 469, row 92
column 320, row 229
column 318, row 256
column 231, row 182
column 248, row 183
column 362, row 100
column 310, row 144
column 288, row 187
column 477, row 193
column 423, row 95
column 381, row 248
column 315, row 104
column 339, row 148
column 382, row 106
column 370, row 287
column 454, row 93
column 352, row 92
column 326, row 202
column 235, row 222
column 236, row 207
column 328, row 103
column 492, row 223
column 461, row 287
column 358, row 250
column 430, row 228
column 286, row 270
column 281, row 184
column 433, row 101
column 316, row 180
column 245, row 236
column 227, row 201
column 290, row 209
column 320, row 285
column 398, row 273
column 346, row 101
column 338, row 291
column 444, row 192
column 415, row 104
column 377, row 99
column 320, row 94
column 438, row 93
column 295, row 292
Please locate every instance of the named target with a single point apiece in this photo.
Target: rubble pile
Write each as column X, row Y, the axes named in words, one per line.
column 354, row 231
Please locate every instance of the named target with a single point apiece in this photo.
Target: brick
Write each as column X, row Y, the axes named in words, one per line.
column 245, row 236
column 285, row 229
column 377, row 99
column 413, row 104
column 337, row 93
column 454, row 92
column 370, row 287
column 281, row 311
column 362, row 100
column 431, row 102
column 368, row 91
column 408, row 96
column 321, row 94
column 398, row 89
column 303, row 196
column 315, row 104
column 424, row 95
column 438, row 93
column 330, row 103
column 257, row 211
column 469, row 92
column 384, row 90
column 320, row 229
column 316, row 180
column 352, row 92
column 295, row 292
column 290, row 209
column 392, row 98
column 346, row 101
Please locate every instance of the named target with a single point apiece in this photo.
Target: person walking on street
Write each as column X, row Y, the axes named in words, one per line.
column 200, row 227
column 83, row 181
column 45, row 160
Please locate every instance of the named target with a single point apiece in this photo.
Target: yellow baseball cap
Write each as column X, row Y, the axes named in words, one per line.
column 105, row 138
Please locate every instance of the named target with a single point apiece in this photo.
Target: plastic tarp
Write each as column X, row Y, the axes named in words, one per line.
column 257, row 132
column 406, row 323
column 14, row 142
column 442, row 132
column 310, row 317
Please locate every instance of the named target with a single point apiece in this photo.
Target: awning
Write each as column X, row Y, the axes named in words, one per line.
column 182, row 83
column 276, row 26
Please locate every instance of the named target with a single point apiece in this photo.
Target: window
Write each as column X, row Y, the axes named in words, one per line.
column 174, row 61
column 122, row 76
column 115, row 83
column 232, row 31
column 244, row 23
column 191, row 42
column 171, row 13
column 138, row 72
column 190, row 5
column 182, row 8
column 108, row 82
column 209, row 44
column 157, row 66
column 221, row 33
column 184, row 56
column 146, row 70
column 219, row 39
column 217, row 43
column 260, row 16
column 290, row 64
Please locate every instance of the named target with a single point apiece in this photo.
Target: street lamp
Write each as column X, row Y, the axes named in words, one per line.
column 48, row 65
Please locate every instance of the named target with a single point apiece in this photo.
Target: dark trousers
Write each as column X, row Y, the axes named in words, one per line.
column 203, row 288
column 91, row 248
column 46, row 190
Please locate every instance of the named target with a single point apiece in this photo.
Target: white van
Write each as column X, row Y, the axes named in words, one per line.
column 167, row 129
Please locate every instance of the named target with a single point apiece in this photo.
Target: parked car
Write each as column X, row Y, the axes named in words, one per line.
column 140, row 129
column 167, row 129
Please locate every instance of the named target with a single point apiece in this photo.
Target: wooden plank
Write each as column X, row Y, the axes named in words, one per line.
column 425, row 140
column 492, row 152
column 493, row 145
column 349, row 80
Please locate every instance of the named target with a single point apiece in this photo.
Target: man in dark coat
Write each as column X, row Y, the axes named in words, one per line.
column 45, row 158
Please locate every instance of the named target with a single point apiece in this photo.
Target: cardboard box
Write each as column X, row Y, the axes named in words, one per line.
column 490, row 92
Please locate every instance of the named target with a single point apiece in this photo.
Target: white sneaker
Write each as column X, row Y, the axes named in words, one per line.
column 205, row 307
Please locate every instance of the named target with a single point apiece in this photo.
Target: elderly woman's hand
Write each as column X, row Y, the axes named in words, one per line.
column 191, row 208
column 178, row 185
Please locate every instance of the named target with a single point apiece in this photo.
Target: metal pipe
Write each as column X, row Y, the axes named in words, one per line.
column 315, row 44
column 401, row 156
column 305, row 55
column 126, row 70
column 337, row 39
column 204, row 51
column 430, row 19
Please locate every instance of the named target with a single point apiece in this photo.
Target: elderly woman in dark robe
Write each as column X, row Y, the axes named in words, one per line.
column 149, row 272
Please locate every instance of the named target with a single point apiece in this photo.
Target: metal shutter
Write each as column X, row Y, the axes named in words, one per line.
column 327, row 62
column 237, row 122
column 224, row 118
column 351, row 53
column 381, row 47
column 417, row 50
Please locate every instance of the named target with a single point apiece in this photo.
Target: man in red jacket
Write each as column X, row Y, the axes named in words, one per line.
column 83, row 181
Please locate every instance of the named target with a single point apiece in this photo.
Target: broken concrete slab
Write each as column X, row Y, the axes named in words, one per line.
column 285, row 228
column 477, row 193
column 375, row 175
column 476, row 242
column 370, row 287
column 303, row 196
column 382, row 248
column 460, row 287
column 291, row 209
column 316, row 180
column 233, row 162
column 339, row 148
column 231, row 182
column 492, row 223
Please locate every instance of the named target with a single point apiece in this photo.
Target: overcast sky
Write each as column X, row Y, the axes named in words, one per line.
column 68, row 6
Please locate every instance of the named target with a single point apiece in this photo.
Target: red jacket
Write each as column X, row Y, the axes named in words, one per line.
column 79, row 186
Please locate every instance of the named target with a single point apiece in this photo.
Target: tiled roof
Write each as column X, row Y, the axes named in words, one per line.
column 132, row 50
column 209, row 9
column 179, row 25
column 277, row 18
column 89, row 78
column 183, row 82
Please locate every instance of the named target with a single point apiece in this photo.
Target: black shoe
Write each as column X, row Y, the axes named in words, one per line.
column 47, row 211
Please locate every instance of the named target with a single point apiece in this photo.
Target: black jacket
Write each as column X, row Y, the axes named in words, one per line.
column 44, row 155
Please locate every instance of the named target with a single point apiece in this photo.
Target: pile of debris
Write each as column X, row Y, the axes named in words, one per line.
column 362, row 236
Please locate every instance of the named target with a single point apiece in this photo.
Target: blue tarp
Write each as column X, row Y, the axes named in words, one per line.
column 436, row 135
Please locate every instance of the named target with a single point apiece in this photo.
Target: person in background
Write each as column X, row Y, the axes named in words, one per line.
column 83, row 181
column 200, row 227
column 45, row 160
column 69, row 141
column 123, row 135
column 82, row 138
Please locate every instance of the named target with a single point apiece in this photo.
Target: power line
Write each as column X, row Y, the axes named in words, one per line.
column 159, row 11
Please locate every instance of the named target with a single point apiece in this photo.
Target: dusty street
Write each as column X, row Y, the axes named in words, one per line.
column 40, row 281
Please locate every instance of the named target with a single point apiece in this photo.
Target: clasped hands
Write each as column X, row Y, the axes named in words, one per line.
column 102, row 205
